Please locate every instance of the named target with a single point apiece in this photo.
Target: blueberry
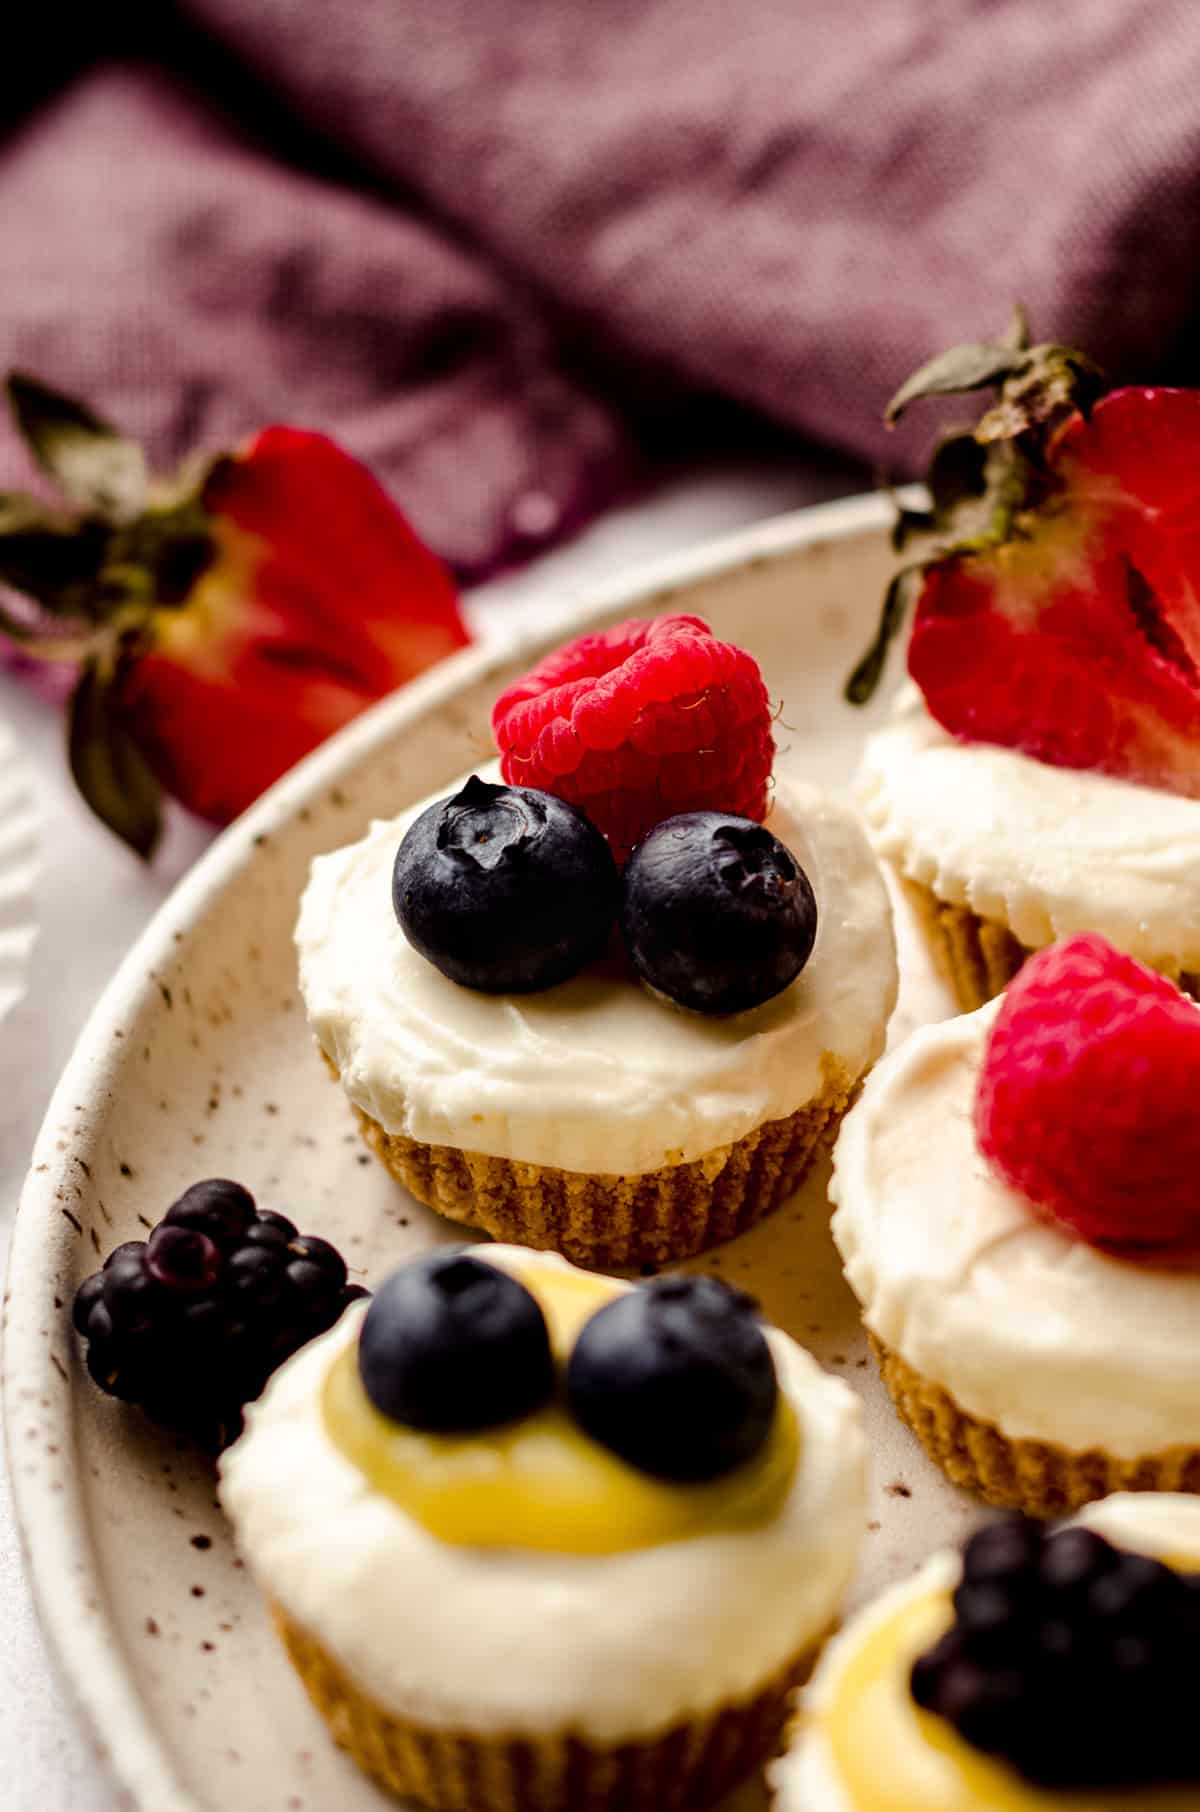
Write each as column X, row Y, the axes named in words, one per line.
column 505, row 889
column 451, row 1344
column 676, row 1377
column 717, row 914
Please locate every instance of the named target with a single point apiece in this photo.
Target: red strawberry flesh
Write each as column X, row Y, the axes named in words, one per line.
column 320, row 601
column 1077, row 640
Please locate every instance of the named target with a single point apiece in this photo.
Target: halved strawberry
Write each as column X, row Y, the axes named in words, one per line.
column 1066, row 622
column 223, row 628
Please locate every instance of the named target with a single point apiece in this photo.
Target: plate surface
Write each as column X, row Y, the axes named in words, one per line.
column 197, row 1062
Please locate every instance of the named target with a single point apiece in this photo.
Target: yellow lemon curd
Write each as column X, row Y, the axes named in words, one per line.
column 542, row 1482
column 891, row 1756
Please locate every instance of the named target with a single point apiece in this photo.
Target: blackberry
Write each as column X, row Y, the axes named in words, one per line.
column 190, row 1323
column 1068, row 1658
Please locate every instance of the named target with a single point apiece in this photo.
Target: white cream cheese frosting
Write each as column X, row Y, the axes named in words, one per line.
column 806, row 1778
column 507, row 1641
column 596, row 1074
column 1022, row 1324
column 1047, row 851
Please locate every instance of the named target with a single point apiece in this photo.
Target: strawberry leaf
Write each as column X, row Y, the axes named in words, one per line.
column 909, row 523
column 973, row 367
column 1017, row 334
column 1051, row 383
column 96, row 467
column 861, row 685
column 109, row 768
column 51, row 560
column 169, row 548
column 957, row 472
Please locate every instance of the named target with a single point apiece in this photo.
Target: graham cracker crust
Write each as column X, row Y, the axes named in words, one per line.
column 1034, row 1476
column 614, row 1221
column 691, row 1764
column 978, row 956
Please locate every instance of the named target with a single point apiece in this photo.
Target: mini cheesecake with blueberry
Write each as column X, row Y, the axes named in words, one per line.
column 535, row 1537
column 1037, row 1671
column 1018, row 1212
column 613, row 995
column 1040, row 776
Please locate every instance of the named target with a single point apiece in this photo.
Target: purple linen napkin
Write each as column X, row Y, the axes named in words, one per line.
column 529, row 238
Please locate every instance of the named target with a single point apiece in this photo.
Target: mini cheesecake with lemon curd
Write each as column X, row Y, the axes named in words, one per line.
column 1035, row 1672
column 538, row 1538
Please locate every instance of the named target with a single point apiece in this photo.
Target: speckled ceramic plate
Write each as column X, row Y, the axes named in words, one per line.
column 18, row 868
column 198, row 1062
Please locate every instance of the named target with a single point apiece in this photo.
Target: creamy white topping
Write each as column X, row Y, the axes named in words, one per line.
column 1024, row 1325
column 806, row 1779
column 597, row 1074
column 1047, row 851
column 515, row 1641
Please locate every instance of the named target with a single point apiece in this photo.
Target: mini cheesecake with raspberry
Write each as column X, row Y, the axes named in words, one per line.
column 1040, row 775
column 538, row 1538
column 613, row 995
column 1018, row 1212
column 1037, row 1671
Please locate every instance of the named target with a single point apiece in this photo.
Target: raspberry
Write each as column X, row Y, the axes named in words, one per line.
column 1087, row 1100
column 191, row 1323
column 639, row 723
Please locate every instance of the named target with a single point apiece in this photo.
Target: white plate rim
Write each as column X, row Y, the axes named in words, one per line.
column 52, row 1527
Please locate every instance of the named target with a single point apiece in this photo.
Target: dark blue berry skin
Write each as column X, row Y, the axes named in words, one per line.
column 452, row 1345
column 505, row 889
column 675, row 1377
column 717, row 913
column 1069, row 1659
column 190, row 1323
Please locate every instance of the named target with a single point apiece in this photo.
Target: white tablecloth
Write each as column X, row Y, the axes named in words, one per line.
column 93, row 900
